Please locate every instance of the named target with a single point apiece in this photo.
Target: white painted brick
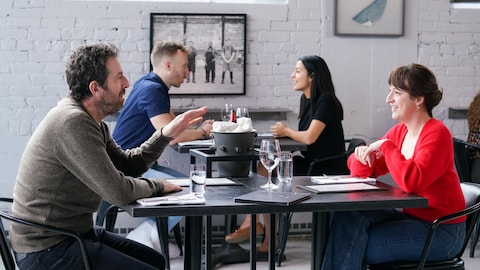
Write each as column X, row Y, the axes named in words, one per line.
column 305, row 35
column 465, row 16
column 310, row 26
column 283, row 26
column 22, row 91
column 297, row 15
column 462, row 71
column 273, row 36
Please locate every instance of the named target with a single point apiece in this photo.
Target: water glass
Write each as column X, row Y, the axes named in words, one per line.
column 198, row 179
column 285, row 167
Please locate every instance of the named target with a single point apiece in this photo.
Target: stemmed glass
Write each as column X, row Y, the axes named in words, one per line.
column 270, row 157
column 226, row 111
column 242, row 112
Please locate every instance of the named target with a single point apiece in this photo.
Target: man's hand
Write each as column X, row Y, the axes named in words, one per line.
column 183, row 121
column 169, row 187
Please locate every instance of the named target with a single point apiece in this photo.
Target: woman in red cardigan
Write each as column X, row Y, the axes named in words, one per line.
column 418, row 153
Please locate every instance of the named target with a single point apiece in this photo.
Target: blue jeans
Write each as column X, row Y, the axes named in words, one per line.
column 359, row 238
column 105, row 250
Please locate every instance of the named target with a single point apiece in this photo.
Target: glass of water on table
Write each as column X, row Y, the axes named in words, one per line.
column 198, row 179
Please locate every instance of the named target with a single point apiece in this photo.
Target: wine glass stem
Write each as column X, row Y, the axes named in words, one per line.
column 269, row 177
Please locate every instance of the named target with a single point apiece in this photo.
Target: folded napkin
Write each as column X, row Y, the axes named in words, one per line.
column 189, row 198
column 243, row 124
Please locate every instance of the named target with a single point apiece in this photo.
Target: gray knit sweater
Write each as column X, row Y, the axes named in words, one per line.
column 69, row 165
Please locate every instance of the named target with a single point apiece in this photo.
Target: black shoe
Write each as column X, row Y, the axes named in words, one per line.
column 232, row 82
column 222, row 82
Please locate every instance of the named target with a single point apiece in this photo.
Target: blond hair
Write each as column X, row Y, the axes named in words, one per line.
column 163, row 49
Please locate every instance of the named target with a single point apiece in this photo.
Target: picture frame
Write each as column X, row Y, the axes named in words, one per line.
column 381, row 18
column 216, row 70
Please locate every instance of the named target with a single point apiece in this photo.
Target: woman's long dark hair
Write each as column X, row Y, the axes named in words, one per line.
column 322, row 84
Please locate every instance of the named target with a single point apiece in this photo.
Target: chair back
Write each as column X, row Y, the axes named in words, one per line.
column 7, row 256
column 5, row 246
column 353, row 143
column 461, row 160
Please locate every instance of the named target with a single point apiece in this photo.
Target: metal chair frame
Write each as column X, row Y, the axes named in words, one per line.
column 6, row 250
column 472, row 212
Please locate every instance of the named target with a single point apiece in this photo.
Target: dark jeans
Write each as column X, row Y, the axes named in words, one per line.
column 105, row 250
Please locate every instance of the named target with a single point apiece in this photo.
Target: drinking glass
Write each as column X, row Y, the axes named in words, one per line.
column 285, row 167
column 226, row 111
column 269, row 156
column 198, row 179
column 242, row 112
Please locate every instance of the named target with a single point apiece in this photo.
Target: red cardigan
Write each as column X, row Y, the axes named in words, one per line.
column 429, row 173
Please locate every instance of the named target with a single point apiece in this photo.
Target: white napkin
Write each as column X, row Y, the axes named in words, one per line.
column 243, row 124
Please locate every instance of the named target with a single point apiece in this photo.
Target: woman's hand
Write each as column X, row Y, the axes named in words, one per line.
column 367, row 154
column 279, row 129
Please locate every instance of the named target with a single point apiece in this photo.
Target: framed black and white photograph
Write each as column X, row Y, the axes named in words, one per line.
column 369, row 18
column 217, row 43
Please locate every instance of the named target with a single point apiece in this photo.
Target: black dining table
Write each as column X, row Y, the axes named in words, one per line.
column 286, row 144
column 220, row 201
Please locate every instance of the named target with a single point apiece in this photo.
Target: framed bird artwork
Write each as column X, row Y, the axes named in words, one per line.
column 369, row 18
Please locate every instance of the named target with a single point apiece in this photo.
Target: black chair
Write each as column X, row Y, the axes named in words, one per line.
column 462, row 164
column 352, row 144
column 285, row 218
column 471, row 191
column 5, row 248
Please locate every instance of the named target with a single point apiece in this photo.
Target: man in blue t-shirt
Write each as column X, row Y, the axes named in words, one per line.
column 147, row 108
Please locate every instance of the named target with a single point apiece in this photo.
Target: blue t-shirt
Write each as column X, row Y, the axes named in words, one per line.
column 148, row 98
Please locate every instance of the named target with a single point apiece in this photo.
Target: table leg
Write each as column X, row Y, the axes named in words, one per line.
column 253, row 242
column 208, row 243
column 162, row 229
column 271, row 243
column 193, row 243
column 320, row 224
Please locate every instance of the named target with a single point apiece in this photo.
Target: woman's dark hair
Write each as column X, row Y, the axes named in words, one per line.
column 418, row 81
column 322, row 84
column 87, row 64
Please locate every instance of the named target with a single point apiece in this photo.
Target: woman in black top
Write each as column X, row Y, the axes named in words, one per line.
column 320, row 126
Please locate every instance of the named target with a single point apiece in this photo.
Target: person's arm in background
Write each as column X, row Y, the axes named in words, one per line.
column 202, row 132
column 324, row 113
column 308, row 136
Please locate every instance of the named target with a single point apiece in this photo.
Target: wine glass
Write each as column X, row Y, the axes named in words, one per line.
column 242, row 112
column 270, row 157
column 226, row 112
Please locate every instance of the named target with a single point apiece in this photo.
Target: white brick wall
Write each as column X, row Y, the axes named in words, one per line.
column 36, row 37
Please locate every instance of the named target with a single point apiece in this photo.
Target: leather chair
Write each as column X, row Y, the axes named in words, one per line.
column 285, row 218
column 462, row 164
column 5, row 248
column 471, row 191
